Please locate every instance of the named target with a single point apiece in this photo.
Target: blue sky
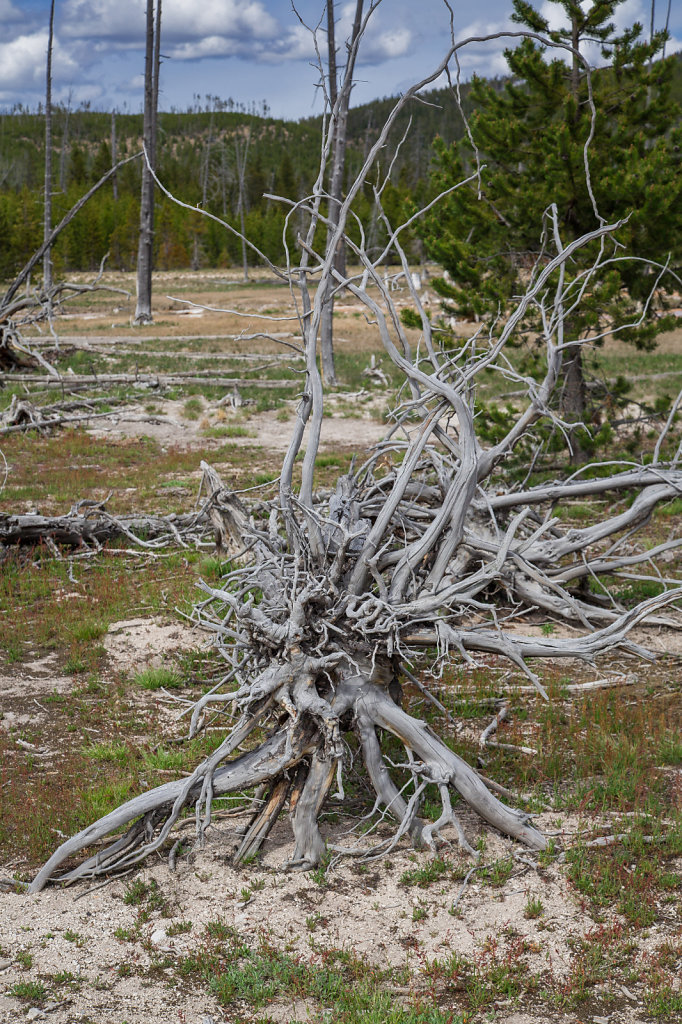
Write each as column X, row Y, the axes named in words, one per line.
column 246, row 49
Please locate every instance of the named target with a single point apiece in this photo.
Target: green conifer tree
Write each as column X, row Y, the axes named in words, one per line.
column 531, row 132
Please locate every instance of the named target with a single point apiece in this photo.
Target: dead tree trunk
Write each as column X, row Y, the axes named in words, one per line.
column 417, row 558
column 339, row 102
column 145, row 251
column 241, row 156
column 572, row 402
column 30, row 308
column 47, row 193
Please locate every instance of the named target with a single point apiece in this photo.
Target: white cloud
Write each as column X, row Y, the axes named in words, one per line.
column 122, row 22
column 296, row 44
column 485, row 54
column 380, row 46
column 85, row 92
column 22, row 62
column 379, row 42
column 209, row 46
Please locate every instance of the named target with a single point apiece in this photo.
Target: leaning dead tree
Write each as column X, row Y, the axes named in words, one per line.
column 24, row 306
column 47, row 191
column 423, row 554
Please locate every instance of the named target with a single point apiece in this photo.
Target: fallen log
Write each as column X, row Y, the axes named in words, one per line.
column 89, row 524
column 78, row 530
column 74, row 381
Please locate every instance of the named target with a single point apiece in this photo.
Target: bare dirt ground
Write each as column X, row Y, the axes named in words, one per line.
column 269, row 430
column 368, row 914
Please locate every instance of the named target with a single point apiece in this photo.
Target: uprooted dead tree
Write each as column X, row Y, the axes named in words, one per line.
column 423, row 554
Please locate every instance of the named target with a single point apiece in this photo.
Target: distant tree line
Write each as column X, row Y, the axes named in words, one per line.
column 198, row 162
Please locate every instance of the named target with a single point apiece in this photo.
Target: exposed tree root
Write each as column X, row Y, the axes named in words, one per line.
column 300, row 747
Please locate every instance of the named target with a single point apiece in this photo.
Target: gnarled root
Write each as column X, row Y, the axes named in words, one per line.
column 297, row 762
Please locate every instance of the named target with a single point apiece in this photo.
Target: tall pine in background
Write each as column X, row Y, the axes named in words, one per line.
column 531, row 133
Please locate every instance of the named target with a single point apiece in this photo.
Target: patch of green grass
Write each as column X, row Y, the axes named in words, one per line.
column 75, row 663
column 574, row 510
column 499, row 971
column 670, row 748
column 156, row 678
column 265, row 478
column 664, row 1003
column 42, row 608
column 89, row 629
column 227, row 430
column 29, row 991
column 179, row 928
column 193, row 408
column 672, row 508
column 68, row 979
column 137, row 892
column 13, row 650
column 165, row 760
column 219, row 930
column 329, row 460
column 237, row 974
column 533, row 908
column 434, row 871
column 100, row 800
column 630, row 875
column 497, row 873
column 109, row 751
column 212, row 567
column 598, row 956
column 639, row 590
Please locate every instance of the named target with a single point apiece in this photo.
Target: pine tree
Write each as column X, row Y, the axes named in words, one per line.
column 531, row 133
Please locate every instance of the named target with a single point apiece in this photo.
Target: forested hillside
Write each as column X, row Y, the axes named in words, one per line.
column 197, row 162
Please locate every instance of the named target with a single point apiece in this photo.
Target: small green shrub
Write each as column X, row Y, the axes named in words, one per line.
column 179, row 928
column 193, row 408
column 29, row 991
column 89, row 629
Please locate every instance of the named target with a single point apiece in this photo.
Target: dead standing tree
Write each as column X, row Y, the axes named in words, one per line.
column 424, row 548
column 339, row 101
column 47, row 212
column 145, row 252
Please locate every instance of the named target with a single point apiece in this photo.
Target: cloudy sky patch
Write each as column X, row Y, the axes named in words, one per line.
column 249, row 50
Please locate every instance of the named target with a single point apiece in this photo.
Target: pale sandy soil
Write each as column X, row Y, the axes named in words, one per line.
column 270, row 431
column 370, row 915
